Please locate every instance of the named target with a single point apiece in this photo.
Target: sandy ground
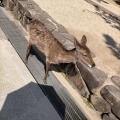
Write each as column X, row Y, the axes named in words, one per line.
column 102, row 31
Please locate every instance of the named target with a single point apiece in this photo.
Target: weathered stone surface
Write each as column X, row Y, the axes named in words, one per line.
column 50, row 26
column 15, row 11
column 116, row 109
column 11, row 5
column 67, row 43
column 116, row 80
column 15, row 1
column 74, row 78
column 93, row 77
column 22, row 6
column 61, row 29
column 109, row 117
column 19, row 16
column 30, row 13
column 79, row 84
column 25, row 20
column 112, row 95
column 35, row 6
column 100, row 104
column 4, row 2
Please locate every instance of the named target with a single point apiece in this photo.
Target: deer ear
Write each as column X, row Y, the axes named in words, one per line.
column 83, row 40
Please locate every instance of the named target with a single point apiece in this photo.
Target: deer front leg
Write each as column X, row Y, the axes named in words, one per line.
column 47, row 70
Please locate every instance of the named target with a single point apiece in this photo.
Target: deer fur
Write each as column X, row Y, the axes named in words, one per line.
column 53, row 49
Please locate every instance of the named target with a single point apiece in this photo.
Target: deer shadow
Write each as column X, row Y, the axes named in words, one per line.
column 112, row 45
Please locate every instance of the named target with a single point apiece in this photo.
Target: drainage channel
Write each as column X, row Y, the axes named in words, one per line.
column 56, row 93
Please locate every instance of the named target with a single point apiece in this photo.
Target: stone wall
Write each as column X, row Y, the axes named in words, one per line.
column 91, row 83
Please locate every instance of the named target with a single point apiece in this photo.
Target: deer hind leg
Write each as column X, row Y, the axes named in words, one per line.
column 46, row 72
column 27, row 52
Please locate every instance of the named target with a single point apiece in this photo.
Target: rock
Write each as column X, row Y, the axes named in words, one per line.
column 79, row 84
column 11, row 5
column 61, row 29
column 66, row 42
column 22, row 6
column 4, row 2
column 15, row 1
column 116, row 80
column 74, row 78
column 116, row 109
column 15, row 11
column 30, row 13
column 19, row 16
column 100, row 104
column 50, row 26
column 112, row 95
column 109, row 117
column 93, row 77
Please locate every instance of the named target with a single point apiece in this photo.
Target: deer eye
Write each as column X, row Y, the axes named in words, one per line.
column 85, row 55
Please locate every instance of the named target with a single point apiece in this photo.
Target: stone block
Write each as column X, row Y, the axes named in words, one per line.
column 15, row 1
column 112, row 95
column 93, row 77
column 30, row 13
column 62, row 29
column 74, row 78
column 100, row 104
column 11, row 5
column 19, row 16
column 26, row 21
column 22, row 6
column 15, row 11
column 50, row 26
column 109, row 117
column 4, row 2
column 67, row 44
column 116, row 80
column 116, row 110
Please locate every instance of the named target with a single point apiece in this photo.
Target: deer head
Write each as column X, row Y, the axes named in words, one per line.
column 83, row 52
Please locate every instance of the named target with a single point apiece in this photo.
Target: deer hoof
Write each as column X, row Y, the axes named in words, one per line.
column 45, row 81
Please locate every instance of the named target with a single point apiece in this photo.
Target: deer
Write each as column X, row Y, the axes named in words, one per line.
column 53, row 50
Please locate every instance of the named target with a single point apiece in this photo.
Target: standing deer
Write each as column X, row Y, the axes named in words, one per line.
column 53, row 50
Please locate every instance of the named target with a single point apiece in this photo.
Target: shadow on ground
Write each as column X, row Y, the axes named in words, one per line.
column 108, row 18
column 112, row 45
column 29, row 103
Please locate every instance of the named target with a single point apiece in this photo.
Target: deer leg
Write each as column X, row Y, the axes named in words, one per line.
column 27, row 52
column 47, row 70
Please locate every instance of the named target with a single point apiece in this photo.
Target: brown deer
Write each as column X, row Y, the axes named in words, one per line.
column 53, row 50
